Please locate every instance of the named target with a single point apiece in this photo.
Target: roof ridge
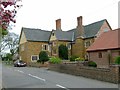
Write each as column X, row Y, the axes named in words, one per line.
column 89, row 24
column 96, row 22
column 35, row 29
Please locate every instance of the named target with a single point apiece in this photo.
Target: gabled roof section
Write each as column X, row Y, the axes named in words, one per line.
column 64, row 35
column 36, row 34
column 90, row 30
column 107, row 40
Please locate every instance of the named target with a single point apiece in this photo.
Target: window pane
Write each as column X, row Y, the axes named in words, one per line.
column 45, row 47
column 87, row 43
column 34, row 57
column 100, row 55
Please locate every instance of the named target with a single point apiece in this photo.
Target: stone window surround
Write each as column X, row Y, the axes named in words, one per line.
column 54, row 51
column 34, row 60
column 69, row 47
column 87, row 42
column 47, row 47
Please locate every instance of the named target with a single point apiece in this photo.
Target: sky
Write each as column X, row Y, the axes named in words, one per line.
column 42, row 14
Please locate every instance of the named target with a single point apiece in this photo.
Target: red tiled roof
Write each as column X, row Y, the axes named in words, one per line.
column 107, row 40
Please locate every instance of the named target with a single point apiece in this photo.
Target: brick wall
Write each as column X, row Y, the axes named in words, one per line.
column 105, row 60
column 101, row 62
column 109, row 75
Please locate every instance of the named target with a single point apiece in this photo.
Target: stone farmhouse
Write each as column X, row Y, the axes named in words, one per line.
column 78, row 39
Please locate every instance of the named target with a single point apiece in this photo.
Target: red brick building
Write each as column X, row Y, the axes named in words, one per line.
column 105, row 48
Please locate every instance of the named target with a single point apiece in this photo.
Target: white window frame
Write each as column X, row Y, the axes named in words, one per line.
column 43, row 47
column 69, row 48
column 34, row 60
column 86, row 44
column 54, row 43
column 49, row 48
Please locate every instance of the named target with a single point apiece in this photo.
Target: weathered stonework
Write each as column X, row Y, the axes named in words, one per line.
column 31, row 48
column 109, row 75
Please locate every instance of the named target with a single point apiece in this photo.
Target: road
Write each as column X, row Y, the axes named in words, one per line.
column 30, row 77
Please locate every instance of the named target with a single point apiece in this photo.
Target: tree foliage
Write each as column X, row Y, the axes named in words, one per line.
column 43, row 57
column 8, row 11
column 55, row 60
column 63, row 52
column 72, row 58
column 10, row 42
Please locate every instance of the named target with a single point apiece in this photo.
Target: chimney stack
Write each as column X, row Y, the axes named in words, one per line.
column 79, row 21
column 58, row 24
column 80, row 29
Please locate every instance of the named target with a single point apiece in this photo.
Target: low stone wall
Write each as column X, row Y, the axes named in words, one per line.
column 38, row 65
column 109, row 75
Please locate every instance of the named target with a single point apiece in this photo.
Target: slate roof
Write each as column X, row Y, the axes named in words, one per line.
column 42, row 35
column 36, row 34
column 90, row 30
column 107, row 40
column 63, row 35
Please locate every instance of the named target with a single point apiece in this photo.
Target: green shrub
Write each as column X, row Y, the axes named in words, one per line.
column 117, row 60
column 63, row 52
column 55, row 60
column 8, row 56
column 72, row 58
column 79, row 59
column 92, row 64
column 43, row 57
column 4, row 32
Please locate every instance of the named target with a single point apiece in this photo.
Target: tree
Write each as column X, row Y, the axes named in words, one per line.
column 7, row 14
column 63, row 52
column 10, row 42
column 43, row 56
column 9, row 56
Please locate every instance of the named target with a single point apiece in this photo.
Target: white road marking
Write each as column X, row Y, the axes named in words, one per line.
column 18, row 71
column 37, row 77
column 58, row 85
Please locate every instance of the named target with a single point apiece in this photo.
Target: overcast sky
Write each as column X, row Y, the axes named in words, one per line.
column 43, row 13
